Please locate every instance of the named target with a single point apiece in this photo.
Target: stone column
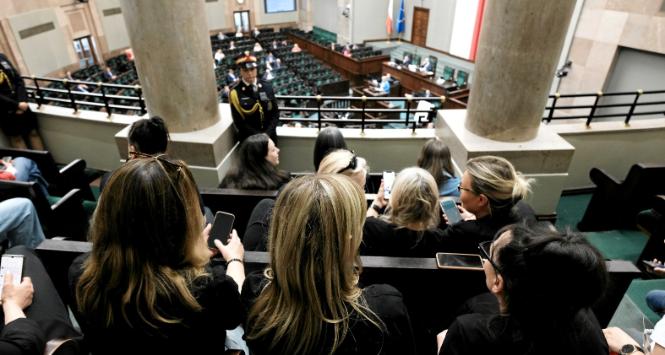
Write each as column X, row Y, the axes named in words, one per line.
column 519, row 47
column 174, row 61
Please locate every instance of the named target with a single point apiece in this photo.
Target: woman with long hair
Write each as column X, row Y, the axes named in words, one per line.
column 543, row 283
column 409, row 225
column 435, row 158
column 308, row 300
column 256, row 168
column 328, row 140
column 148, row 281
column 345, row 162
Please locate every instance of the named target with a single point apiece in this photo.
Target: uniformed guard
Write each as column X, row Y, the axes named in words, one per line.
column 253, row 104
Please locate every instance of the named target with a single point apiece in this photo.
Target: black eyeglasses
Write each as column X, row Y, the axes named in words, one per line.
column 485, row 254
column 352, row 164
column 460, row 188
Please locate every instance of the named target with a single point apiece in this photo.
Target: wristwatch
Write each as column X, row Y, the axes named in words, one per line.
column 629, row 349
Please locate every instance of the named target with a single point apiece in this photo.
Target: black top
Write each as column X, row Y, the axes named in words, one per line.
column 495, row 334
column 263, row 119
column 363, row 337
column 388, row 239
column 22, row 336
column 12, row 88
column 197, row 333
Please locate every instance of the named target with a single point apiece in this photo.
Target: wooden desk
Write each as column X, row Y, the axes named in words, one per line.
column 414, row 81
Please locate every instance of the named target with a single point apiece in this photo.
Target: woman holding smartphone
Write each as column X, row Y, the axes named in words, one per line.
column 148, row 281
column 308, row 300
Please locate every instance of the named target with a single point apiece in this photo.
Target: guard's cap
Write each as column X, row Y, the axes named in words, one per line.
column 246, row 61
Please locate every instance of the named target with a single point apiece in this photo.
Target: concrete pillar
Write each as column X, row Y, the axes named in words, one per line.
column 174, row 61
column 519, row 47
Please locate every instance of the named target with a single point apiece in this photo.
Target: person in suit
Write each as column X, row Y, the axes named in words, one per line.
column 406, row 60
column 253, row 105
column 426, row 66
column 17, row 121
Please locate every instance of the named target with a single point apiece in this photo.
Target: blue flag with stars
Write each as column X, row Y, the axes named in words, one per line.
column 401, row 19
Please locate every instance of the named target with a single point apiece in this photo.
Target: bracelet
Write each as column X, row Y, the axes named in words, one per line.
column 232, row 260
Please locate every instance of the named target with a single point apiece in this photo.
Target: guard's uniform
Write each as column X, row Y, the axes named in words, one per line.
column 254, row 108
column 12, row 92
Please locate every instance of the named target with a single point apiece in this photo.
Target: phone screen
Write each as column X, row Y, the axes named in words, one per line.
column 11, row 264
column 450, row 210
column 459, row 261
column 221, row 228
column 388, row 180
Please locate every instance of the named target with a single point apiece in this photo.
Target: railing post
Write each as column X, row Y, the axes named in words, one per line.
column 599, row 94
column 139, row 92
column 362, row 117
column 554, row 100
column 318, row 104
column 72, row 100
column 408, row 109
column 632, row 107
column 39, row 98
column 102, row 88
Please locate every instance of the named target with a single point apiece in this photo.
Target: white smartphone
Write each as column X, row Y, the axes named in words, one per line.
column 388, row 180
column 449, row 208
column 11, row 263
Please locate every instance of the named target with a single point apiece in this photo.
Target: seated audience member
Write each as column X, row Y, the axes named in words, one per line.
column 267, row 75
column 148, row 286
column 219, row 56
column 328, row 139
column 308, row 300
column 32, row 310
column 19, row 223
column 231, row 77
column 274, row 44
column 129, row 54
column 256, row 166
column 79, row 87
column 221, row 35
column 426, row 66
column 108, row 74
column 23, row 169
column 347, row 51
column 490, row 192
column 296, row 48
column 257, row 47
column 270, row 58
column 544, row 283
column 409, row 225
column 239, row 33
column 277, row 64
column 384, row 85
column 345, row 162
column 406, row 60
column 621, row 343
column 435, row 158
column 256, row 32
column 232, row 45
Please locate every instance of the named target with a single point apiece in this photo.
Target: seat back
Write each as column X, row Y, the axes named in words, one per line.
column 448, row 73
column 236, row 201
column 462, row 78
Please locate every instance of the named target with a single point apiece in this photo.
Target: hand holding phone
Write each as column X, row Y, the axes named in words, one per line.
column 388, row 180
column 451, row 211
column 12, row 264
column 221, row 228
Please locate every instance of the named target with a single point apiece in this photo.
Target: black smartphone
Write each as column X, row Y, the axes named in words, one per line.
column 459, row 261
column 13, row 264
column 388, row 180
column 221, row 228
column 449, row 208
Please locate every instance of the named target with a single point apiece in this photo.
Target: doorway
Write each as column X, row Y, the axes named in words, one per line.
column 419, row 28
column 241, row 20
column 84, row 51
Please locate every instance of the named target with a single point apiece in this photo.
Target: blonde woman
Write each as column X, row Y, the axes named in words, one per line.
column 308, row 300
column 491, row 194
column 345, row 162
column 147, row 281
column 409, row 225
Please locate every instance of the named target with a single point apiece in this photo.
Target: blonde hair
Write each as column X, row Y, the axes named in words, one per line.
column 336, row 161
column 147, row 247
column 496, row 178
column 314, row 238
column 415, row 199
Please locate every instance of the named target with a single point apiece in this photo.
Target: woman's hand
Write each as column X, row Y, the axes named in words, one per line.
column 233, row 249
column 466, row 215
column 17, row 295
column 617, row 338
column 380, row 200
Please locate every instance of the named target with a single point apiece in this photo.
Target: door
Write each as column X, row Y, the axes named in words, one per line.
column 84, row 51
column 241, row 20
column 419, row 29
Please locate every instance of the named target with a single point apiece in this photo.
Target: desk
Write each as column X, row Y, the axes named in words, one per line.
column 413, row 81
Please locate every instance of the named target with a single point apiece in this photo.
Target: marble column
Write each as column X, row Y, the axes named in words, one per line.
column 174, row 61
column 519, row 47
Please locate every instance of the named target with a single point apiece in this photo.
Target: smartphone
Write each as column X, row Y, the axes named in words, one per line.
column 221, row 228
column 449, row 208
column 653, row 264
column 459, row 261
column 388, row 180
column 13, row 264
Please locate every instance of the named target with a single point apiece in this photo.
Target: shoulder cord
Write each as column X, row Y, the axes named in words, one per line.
column 3, row 77
column 236, row 103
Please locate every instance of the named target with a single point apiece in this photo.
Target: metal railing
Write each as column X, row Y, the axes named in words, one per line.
column 634, row 103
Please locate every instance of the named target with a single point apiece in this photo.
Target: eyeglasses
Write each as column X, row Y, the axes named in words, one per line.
column 485, row 254
column 352, row 164
column 460, row 188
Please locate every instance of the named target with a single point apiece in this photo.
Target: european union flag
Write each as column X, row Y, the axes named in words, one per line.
column 401, row 18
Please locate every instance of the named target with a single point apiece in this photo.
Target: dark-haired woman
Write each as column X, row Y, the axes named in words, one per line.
column 328, row 140
column 256, row 168
column 544, row 283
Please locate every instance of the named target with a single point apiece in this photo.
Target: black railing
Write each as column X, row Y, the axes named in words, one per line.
column 630, row 106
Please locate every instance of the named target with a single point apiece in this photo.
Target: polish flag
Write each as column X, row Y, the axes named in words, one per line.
column 389, row 20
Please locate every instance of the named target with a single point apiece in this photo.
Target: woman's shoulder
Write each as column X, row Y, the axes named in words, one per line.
column 384, row 300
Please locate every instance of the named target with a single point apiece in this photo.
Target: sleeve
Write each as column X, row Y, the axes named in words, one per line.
column 22, row 336
column 243, row 128
column 8, row 104
column 226, row 299
column 273, row 114
column 454, row 342
column 256, row 234
column 388, row 304
column 251, row 289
